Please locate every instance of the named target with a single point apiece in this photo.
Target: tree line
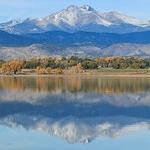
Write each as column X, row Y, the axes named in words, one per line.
column 57, row 65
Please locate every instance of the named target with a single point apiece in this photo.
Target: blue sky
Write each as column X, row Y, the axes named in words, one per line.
column 14, row 9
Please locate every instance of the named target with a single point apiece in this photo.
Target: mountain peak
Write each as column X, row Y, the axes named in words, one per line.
column 87, row 7
column 72, row 7
column 84, row 7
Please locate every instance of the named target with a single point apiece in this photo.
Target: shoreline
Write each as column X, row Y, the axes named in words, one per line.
column 85, row 73
column 104, row 74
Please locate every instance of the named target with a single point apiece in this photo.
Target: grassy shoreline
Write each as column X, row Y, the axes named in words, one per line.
column 98, row 72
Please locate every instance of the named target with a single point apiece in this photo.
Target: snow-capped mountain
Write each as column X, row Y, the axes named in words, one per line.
column 75, row 18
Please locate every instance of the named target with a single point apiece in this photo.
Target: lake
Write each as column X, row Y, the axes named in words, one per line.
column 74, row 113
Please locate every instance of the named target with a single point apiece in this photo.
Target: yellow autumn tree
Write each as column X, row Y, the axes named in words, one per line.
column 12, row 67
column 77, row 69
column 59, row 71
column 48, row 70
column 40, row 70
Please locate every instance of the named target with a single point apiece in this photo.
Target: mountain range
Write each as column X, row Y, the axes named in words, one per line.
column 75, row 18
column 80, row 31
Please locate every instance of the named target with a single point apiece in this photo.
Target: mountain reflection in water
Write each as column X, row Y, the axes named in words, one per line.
column 77, row 109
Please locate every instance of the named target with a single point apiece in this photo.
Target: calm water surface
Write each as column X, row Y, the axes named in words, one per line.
column 77, row 113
